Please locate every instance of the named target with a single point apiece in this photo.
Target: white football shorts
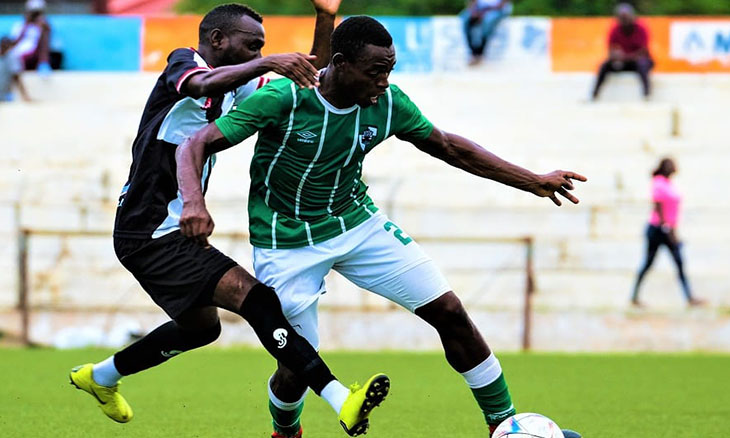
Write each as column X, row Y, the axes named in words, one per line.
column 376, row 256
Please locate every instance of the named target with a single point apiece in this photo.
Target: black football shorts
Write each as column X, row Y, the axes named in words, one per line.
column 176, row 272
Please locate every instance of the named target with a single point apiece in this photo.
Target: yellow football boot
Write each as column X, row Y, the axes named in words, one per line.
column 361, row 401
column 110, row 400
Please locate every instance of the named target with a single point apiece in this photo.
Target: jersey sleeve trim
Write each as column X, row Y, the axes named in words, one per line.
column 262, row 81
column 188, row 74
column 390, row 112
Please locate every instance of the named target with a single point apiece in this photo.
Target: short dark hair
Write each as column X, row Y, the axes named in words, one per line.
column 224, row 17
column 356, row 32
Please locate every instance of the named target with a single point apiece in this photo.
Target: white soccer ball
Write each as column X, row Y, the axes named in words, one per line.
column 528, row 425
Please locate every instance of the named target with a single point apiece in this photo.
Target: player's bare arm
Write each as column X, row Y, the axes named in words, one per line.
column 195, row 220
column 295, row 66
column 469, row 156
column 299, row 67
column 326, row 13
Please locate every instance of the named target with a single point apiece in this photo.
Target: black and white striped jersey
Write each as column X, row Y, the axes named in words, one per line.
column 150, row 204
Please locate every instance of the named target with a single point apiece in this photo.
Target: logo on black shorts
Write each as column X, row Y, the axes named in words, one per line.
column 170, row 353
column 280, row 335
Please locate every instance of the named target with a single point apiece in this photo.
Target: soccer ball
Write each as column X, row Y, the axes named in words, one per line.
column 528, row 425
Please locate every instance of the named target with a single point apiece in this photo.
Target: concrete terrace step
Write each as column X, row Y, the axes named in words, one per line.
column 65, row 157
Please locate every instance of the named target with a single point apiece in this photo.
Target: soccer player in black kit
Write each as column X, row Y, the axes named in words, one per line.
column 189, row 279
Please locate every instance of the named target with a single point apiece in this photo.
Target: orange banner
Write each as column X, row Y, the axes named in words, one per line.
column 164, row 34
column 678, row 45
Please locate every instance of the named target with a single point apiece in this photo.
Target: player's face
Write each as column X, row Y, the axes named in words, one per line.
column 366, row 78
column 245, row 42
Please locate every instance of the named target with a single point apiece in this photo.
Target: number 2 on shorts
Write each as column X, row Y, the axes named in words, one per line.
column 398, row 233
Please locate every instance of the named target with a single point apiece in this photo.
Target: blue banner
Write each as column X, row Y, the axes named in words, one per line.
column 90, row 42
column 413, row 41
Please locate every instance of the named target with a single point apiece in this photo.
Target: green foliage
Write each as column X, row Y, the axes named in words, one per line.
column 222, row 393
column 606, row 7
column 348, row 7
column 452, row 7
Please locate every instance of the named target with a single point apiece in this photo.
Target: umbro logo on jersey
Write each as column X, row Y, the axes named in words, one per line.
column 306, row 136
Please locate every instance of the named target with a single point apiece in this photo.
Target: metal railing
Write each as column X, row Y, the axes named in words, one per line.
column 25, row 289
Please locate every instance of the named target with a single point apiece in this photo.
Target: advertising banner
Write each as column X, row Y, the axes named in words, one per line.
column 517, row 42
column 164, row 34
column 678, row 45
column 423, row 44
column 700, row 44
column 90, row 42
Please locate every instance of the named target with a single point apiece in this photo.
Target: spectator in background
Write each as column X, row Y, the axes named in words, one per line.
column 10, row 70
column 628, row 46
column 32, row 38
column 480, row 19
column 662, row 228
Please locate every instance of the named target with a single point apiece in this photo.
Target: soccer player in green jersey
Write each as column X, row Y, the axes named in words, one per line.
column 189, row 281
column 310, row 212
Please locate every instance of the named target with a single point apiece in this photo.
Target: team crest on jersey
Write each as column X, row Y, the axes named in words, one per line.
column 368, row 136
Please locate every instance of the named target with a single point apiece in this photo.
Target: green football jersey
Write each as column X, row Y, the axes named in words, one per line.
column 306, row 171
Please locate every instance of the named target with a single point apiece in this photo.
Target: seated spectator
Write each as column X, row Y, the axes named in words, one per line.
column 628, row 45
column 10, row 70
column 480, row 19
column 32, row 38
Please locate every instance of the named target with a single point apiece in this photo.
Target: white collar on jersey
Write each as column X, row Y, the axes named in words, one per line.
column 331, row 108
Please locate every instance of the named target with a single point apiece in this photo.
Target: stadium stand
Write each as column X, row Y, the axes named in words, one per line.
column 65, row 175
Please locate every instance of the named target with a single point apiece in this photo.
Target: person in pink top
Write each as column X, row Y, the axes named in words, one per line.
column 662, row 228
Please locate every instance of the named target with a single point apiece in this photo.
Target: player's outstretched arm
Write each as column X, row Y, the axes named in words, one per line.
column 469, row 156
column 195, row 220
column 325, row 24
column 295, row 66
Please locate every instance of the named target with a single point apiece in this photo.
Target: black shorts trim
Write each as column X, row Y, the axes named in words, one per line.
column 177, row 273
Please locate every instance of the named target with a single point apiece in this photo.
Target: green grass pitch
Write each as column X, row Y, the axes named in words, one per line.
column 222, row 393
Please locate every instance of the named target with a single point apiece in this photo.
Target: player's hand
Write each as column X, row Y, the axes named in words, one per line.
column 196, row 223
column 295, row 66
column 327, row 6
column 558, row 182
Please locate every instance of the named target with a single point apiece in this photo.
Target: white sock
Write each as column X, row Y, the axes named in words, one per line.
column 335, row 394
column 484, row 373
column 105, row 373
column 285, row 406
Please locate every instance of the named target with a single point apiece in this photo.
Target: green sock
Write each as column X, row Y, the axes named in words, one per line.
column 286, row 422
column 495, row 401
